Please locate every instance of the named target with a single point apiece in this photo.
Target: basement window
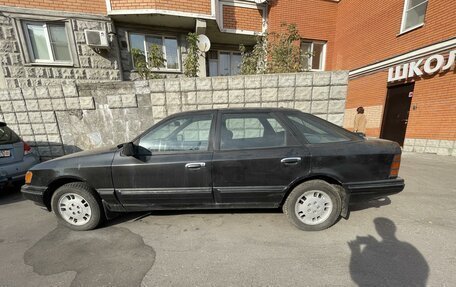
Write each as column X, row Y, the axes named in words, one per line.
column 47, row 42
column 414, row 14
column 313, row 55
column 167, row 44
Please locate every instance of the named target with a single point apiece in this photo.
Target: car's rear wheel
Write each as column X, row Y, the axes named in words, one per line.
column 313, row 205
column 76, row 207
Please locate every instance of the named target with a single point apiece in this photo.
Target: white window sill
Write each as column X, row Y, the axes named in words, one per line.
column 53, row 64
column 410, row 29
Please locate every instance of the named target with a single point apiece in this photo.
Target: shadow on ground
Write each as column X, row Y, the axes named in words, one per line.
column 104, row 257
column 10, row 194
column 388, row 262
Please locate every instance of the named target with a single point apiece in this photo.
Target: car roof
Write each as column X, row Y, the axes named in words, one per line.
column 238, row 110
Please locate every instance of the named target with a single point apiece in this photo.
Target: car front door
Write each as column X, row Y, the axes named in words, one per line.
column 256, row 159
column 172, row 165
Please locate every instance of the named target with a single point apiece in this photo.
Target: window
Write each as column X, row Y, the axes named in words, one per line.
column 242, row 131
column 47, row 42
column 190, row 133
column 414, row 13
column 7, row 136
column 316, row 130
column 314, row 55
column 168, row 45
column 224, row 63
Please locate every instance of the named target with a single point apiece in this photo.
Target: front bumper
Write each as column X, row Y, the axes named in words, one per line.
column 369, row 190
column 34, row 193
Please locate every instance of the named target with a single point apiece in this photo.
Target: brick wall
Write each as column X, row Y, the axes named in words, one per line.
column 84, row 6
column 242, row 18
column 190, row 6
column 315, row 19
column 434, row 117
column 61, row 119
column 435, row 114
column 368, row 31
column 369, row 92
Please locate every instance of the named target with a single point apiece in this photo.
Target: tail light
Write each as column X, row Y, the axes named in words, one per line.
column 395, row 166
column 27, row 148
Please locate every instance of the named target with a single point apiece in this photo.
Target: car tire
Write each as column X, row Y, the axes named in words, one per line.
column 313, row 205
column 76, row 206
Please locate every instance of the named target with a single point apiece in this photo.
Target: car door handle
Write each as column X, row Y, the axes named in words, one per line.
column 194, row 165
column 290, row 160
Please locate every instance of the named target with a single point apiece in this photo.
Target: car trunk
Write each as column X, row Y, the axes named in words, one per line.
column 11, row 146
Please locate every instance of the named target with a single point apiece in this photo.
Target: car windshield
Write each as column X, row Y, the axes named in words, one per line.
column 7, row 136
column 316, row 130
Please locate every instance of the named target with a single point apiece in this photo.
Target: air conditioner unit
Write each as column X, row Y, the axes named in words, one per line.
column 96, row 39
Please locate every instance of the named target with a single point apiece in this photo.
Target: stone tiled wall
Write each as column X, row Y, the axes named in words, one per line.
column 89, row 65
column 440, row 147
column 65, row 118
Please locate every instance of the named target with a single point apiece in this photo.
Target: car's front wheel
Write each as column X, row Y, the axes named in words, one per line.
column 313, row 205
column 76, row 207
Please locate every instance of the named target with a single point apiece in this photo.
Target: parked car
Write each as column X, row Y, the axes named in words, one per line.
column 16, row 157
column 212, row 159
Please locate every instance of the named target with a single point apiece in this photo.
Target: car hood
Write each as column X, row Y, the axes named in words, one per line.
column 95, row 157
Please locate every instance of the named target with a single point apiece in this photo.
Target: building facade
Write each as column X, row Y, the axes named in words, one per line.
column 45, row 42
column 400, row 53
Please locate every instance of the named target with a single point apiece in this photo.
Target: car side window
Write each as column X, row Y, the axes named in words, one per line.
column 255, row 130
column 314, row 130
column 183, row 134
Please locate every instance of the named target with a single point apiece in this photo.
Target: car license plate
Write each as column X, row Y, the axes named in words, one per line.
column 5, row 153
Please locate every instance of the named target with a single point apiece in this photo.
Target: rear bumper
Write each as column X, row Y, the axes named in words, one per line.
column 14, row 172
column 369, row 190
column 34, row 193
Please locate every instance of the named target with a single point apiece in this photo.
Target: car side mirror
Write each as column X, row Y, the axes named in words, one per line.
column 129, row 149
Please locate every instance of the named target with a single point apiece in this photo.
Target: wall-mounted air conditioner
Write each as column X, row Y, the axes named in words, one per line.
column 97, row 39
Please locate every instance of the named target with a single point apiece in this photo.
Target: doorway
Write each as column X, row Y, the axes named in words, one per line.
column 396, row 113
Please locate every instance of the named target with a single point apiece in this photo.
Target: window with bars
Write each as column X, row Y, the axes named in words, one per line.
column 47, row 42
column 414, row 14
column 168, row 44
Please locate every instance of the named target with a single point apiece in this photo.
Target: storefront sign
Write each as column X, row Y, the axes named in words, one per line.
column 433, row 64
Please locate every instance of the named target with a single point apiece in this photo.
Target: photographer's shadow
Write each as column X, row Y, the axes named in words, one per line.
column 388, row 262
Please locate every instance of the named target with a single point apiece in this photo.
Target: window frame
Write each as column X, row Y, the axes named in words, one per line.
column 323, row 58
column 406, row 9
column 337, row 129
column 29, row 48
column 210, row 145
column 291, row 137
column 163, row 37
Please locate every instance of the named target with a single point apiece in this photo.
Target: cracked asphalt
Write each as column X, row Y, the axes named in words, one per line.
column 405, row 240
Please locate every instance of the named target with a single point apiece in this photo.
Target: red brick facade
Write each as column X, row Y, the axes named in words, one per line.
column 189, row 6
column 315, row 20
column 369, row 31
column 82, row 6
column 241, row 18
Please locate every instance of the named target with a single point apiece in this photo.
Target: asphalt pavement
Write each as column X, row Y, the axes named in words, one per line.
column 404, row 240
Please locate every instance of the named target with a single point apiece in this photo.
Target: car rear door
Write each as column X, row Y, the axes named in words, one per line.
column 172, row 167
column 256, row 159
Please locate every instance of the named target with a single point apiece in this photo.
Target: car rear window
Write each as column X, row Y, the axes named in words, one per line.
column 7, row 136
column 316, row 130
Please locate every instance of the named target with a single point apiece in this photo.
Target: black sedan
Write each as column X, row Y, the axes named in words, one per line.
column 233, row 158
